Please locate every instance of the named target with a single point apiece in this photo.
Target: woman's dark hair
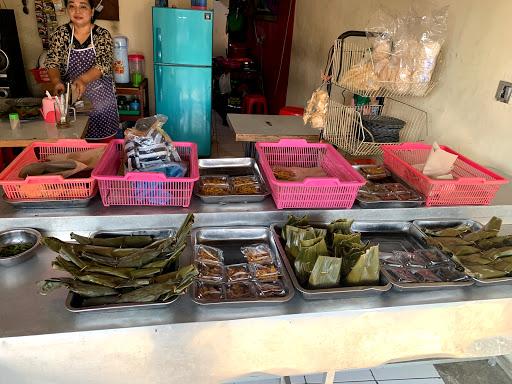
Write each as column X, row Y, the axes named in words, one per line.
column 92, row 3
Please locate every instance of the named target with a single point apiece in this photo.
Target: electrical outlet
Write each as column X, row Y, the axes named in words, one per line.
column 504, row 92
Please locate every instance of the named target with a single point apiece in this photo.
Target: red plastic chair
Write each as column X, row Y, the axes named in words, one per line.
column 291, row 111
column 255, row 104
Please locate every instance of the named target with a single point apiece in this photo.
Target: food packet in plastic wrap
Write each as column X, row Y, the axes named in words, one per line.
column 258, row 254
column 406, row 47
column 209, row 255
column 148, row 148
column 240, row 291
column 401, row 275
column 272, row 289
column 237, row 272
column 209, row 292
column 210, row 272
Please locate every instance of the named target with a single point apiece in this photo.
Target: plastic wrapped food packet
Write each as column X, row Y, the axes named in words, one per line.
column 425, row 275
column 258, row 254
column 401, row 275
column 210, row 272
column 264, row 272
column 412, row 259
column 209, row 255
column 209, row 291
column 237, row 272
column 433, row 257
column 240, row 290
column 450, row 274
column 375, row 172
column 391, row 259
column 214, row 179
column 148, row 148
column 244, row 180
column 273, row 289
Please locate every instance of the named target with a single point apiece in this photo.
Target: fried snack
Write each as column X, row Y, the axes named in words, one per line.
column 284, row 174
column 247, row 189
column 237, row 291
column 216, row 180
column 210, row 292
column 243, row 180
column 210, row 272
column 265, row 272
column 215, row 189
column 275, row 289
column 238, row 272
column 209, row 254
column 258, row 254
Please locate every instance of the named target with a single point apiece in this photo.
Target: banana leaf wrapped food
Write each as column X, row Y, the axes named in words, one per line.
column 482, row 253
column 331, row 256
column 126, row 269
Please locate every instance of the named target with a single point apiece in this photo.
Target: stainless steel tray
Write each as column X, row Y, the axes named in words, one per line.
column 230, row 239
column 75, row 303
column 232, row 167
column 327, row 293
column 388, row 204
column 475, row 226
column 48, row 204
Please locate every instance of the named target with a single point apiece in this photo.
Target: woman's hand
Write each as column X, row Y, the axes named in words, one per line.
column 80, row 86
column 58, row 88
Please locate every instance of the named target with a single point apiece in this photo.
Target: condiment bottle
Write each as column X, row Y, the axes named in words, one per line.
column 14, row 119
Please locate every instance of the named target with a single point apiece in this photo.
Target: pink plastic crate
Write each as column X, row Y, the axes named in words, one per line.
column 47, row 187
column 337, row 191
column 473, row 184
column 145, row 188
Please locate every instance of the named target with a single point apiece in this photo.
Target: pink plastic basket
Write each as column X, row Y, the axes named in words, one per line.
column 47, row 187
column 145, row 188
column 473, row 184
column 337, row 191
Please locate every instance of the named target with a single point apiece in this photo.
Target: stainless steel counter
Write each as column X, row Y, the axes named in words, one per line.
column 186, row 343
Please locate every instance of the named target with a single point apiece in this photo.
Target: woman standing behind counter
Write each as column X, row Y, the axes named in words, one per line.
column 82, row 53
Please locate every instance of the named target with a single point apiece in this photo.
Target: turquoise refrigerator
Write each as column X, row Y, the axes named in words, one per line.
column 182, row 48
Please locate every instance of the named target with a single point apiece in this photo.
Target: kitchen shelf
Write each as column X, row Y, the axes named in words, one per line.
column 142, row 92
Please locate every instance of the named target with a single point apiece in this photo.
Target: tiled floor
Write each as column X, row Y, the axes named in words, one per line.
column 470, row 372
column 223, row 143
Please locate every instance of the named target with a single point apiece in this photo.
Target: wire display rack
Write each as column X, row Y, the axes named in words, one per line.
column 344, row 125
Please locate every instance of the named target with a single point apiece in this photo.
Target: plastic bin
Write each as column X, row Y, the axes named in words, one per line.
column 337, row 191
column 473, row 184
column 47, row 187
column 145, row 188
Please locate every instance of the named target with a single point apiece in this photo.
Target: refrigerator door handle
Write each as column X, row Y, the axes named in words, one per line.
column 158, row 44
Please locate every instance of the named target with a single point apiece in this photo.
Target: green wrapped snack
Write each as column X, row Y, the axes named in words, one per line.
column 294, row 221
column 460, row 250
column 495, row 242
column 489, row 231
column 326, row 272
column 308, row 254
column 366, row 270
column 485, row 272
column 496, row 253
column 449, row 232
column 441, row 242
column 475, row 259
column 296, row 235
column 504, row 264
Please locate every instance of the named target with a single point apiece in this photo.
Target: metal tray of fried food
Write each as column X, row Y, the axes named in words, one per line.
column 76, row 303
column 448, row 223
column 48, row 204
column 232, row 167
column 230, row 239
column 326, row 293
column 370, row 204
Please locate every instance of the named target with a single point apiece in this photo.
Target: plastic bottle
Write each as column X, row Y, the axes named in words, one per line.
column 14, row 119
column 136, row 68
column 121, row 66
column 135, row 105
